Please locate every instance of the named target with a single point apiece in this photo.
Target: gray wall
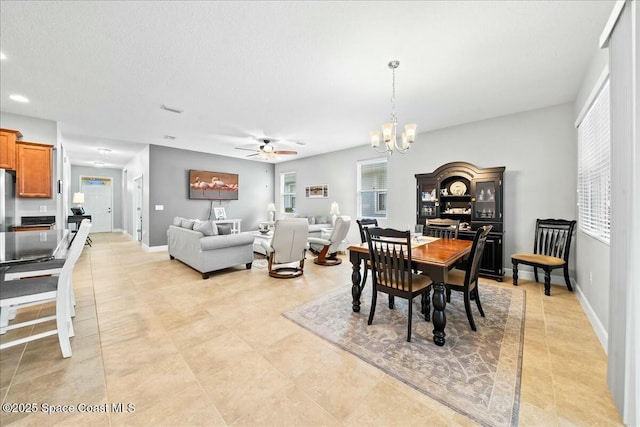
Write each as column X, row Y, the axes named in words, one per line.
column 114, row 174
column 43, row 132
column 169, row 186
column 538, row 149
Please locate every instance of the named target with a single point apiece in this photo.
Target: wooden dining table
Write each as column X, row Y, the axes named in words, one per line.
column 433, row 257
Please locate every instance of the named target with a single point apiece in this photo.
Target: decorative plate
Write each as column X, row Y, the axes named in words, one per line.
column 458, row 188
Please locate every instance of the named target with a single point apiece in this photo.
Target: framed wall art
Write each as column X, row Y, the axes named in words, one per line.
column 316, row 191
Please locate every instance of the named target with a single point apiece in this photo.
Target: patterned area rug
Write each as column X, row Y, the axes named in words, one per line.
column 476, row 373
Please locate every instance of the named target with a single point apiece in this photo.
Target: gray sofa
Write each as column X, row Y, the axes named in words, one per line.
column 316, row 223
column 207, row 253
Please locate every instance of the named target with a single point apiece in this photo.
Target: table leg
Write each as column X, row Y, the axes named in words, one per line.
column 439, row 318
column 356, row 289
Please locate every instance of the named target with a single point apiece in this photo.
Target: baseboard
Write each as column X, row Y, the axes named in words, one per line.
column 557, row 280
column 155, row 248
column 597, row 326
column 117, row 230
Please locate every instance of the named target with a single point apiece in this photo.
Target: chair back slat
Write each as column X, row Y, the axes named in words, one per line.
column 553, row 237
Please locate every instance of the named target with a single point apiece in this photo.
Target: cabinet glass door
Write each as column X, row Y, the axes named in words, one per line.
column 486, row 206
column 427, row 200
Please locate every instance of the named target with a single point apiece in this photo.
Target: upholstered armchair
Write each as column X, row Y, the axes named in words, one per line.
column 328, row 253
column 288, row 245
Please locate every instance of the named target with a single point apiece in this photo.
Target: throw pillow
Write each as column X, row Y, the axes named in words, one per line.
column 177, row 221
column 312, row 220
column 188, row 223
column 224, row 228
column 323, row 219
column 205, row 227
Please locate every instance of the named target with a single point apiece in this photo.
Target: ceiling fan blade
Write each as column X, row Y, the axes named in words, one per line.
column 251, row 155
column 285, row 152
column 247, row 149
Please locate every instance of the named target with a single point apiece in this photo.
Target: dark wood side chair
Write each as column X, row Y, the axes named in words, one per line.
column 390, row 255
column 551, row 246
column 362, row 224
column 444, row 228
column 468, row 285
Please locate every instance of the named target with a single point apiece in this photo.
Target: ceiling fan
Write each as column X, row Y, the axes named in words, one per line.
column 267, row 150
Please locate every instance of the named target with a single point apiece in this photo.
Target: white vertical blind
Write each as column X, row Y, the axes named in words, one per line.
column 594, row 168
column 288, row 191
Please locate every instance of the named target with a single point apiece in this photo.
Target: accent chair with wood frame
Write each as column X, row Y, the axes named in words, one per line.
column 328, row 255
column 551, row 247
column 391, row 269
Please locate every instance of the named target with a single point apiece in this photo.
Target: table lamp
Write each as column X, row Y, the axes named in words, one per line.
column 335, row 211
column 271, row 208
column 78, row 198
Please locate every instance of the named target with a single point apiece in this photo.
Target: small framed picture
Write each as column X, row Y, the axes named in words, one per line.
column 219, row 213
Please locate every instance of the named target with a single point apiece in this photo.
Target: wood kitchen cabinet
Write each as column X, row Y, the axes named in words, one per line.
column 8, row 140
column 34, row 170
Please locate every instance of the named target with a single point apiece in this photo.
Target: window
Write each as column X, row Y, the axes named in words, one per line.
column 372, row 188
column 288, row 191
column 594, row 175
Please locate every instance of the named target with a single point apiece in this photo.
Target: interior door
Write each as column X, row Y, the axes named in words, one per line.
column 137, row 214
column 98, row 202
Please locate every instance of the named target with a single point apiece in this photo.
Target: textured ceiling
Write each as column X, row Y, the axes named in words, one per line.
column 309, row 72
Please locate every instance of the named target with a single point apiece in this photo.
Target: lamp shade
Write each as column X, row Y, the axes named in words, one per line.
column 335, row 209
column 78, row 198
column 271, row 207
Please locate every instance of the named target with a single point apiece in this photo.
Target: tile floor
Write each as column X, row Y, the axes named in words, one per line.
column 186, row 351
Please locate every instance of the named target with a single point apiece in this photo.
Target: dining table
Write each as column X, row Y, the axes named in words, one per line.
column 432, row 256
column 19, row 247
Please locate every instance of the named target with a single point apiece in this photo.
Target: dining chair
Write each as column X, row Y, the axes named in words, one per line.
column 391, row 272
column 40, row 290
column 468, row 283
column 362, row 224
column 328, row 255
column 288, row 245
column 551, row 246
column 444, row 228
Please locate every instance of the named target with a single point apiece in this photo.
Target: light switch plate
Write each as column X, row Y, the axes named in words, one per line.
column 43, row 208
column 159, row 207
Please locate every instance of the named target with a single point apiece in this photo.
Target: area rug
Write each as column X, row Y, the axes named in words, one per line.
column 477, row 374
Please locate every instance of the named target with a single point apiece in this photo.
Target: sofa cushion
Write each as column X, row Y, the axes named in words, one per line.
column 322, row 219
column 208, row 243
column 224, row 229
column 205, row 227
column 177, row 221
column 188, row 224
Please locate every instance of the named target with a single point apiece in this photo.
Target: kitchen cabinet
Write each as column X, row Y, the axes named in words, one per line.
column 34, row 170
column 8, row 140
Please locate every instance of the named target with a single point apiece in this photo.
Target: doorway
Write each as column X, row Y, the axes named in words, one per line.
column 98, row 202
column 137, row 208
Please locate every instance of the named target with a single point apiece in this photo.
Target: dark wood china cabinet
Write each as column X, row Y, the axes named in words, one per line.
column 460, row 190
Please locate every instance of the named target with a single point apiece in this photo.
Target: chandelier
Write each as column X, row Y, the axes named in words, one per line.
column 389, row 129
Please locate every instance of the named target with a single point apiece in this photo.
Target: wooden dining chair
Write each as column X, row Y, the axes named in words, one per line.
column 551, row 246
column 391, row 272
column 40, row 290
column 468, row 284
column 444, row 228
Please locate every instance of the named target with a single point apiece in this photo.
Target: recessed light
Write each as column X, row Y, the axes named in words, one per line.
column 98, row 164
column 104, row 151
column 19, row 98
column 172, row 109
column 169, row 137
column 3, row 56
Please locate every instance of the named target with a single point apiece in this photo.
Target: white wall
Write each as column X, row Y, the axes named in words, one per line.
column 538, row 149
column 138, row 166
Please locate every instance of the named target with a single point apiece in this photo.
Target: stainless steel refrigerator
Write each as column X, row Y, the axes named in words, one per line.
column 7, row 200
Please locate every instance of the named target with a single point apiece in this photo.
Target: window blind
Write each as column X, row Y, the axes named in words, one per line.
column 594, row 168
column 372, row 188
